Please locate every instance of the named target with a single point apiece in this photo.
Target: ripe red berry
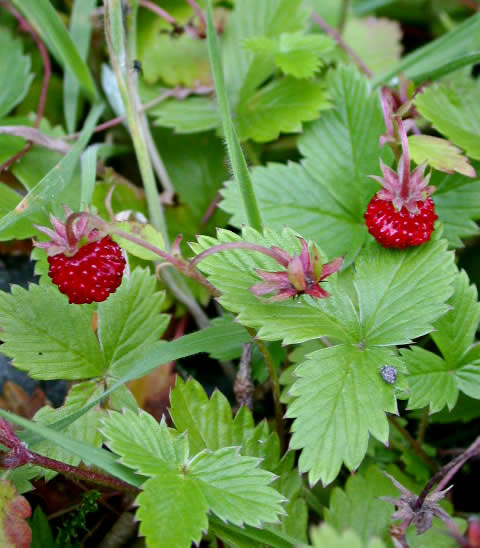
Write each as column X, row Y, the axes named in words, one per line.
column 85, row 264
column 92, row 274
column 402, row 214
column 393, row 228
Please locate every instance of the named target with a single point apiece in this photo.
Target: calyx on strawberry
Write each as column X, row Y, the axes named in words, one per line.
column 85, row 264
column 402, row 214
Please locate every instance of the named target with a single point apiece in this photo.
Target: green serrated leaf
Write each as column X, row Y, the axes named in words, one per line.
column 341, row 392
column 359, row 507
column 325, row 536
column 142, row 443
column 130, row 321
column 377, row 41
column 457, row 200
column 439, row 154
column 14, row 72
column 436, row 381
column 244, row 72
column 144, row 232
column 235, row 488
column 402, row 292
column 295, row 53
column 325, row 197
column 172, row 510
column 209, row 424
column 280, row 107
column 48, row 337
column 454, row 112
column 190, row 115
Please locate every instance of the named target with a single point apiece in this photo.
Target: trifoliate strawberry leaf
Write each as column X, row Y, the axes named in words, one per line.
column 435, row 381
column 14, row 72
column 144, row 232
column 359, row 507
column 325, row 536
column 189, row 115
column 454, row 112
column 457, row 203
column 295, row 53
column 233, row 273
column 231, row 486
column 172, row 510
column 402, row 292
column 14, row 509
column 48, row 337
column 279, row 107
column 377, row 41
column 85, row 429
column 340, row 398
column 439, row 154
column 130, row 321
column 244, row 71
column 209, row 424
column 142, row 443
column 325, row 197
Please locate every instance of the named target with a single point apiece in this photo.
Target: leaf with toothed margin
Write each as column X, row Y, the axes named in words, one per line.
column 340, row 399
column 436, row 381
column 233, row 273
column 325, row 536
column 181, row 491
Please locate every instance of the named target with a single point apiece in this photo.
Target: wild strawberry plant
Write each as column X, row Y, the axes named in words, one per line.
column 260, row 340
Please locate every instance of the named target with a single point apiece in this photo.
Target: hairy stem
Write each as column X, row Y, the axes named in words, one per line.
column 344, row 9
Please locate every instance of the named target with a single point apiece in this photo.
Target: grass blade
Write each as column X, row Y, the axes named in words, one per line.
column 46, row 20
column 237, row 159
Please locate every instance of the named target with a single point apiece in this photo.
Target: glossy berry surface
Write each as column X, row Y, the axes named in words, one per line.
column 399, row 229
column 92, row 274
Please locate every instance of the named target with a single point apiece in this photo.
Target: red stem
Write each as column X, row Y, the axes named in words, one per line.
column 25, row 26
column 341, row 42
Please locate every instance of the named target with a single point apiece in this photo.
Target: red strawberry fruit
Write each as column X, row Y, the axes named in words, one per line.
column 402, row 214
column 86, row 265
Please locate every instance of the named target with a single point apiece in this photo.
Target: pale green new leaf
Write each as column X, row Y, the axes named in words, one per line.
column 358, row 506
column 189, row 115
column 48, row 337
column 142, row 443
column 85, row 429
column 130, row 321
column 325, row 536
column 340, row 399
column 457, row 203
column 376, row 40
column 172, row 510
column 439, row 154
column 244, row 71
column 235, row 487
column 14, row 72
column 402, row 292
column 325, row 197
column 146, row 233
column 295, row 53
column 454, row 112
column 233, row 272
column 279, row 107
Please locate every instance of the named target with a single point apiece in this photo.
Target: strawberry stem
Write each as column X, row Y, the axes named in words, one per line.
column 405, row 160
